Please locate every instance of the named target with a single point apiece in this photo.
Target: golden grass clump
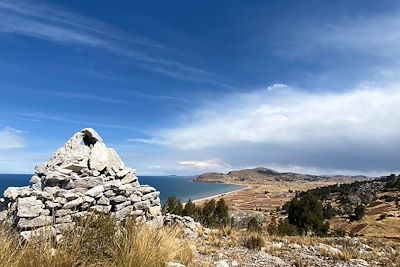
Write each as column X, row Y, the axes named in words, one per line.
column 10, row 246
column 140, row 246
column 254, row 241
column 97, row 241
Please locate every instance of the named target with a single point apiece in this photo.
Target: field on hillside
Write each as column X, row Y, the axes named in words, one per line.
column 382, row 219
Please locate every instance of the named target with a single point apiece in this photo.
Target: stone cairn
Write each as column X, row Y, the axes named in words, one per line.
column 82, row 177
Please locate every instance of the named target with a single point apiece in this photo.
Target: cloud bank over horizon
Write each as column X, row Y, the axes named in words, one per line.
column 350, row 131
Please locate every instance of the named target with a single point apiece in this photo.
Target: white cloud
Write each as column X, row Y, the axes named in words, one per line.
column 11, row 138
column 363, row 115
column 277, row 86
column 323, row 133
column 154, row 166
column 324, row 171
column 152, row 141
column 201, row 164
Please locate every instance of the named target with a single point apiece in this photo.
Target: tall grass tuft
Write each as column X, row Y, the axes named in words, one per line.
column 141, row 246
column 97, row 241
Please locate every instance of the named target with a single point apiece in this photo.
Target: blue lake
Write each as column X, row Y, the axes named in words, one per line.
column 181, row 186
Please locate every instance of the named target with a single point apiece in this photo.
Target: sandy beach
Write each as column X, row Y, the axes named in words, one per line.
column 221, row 195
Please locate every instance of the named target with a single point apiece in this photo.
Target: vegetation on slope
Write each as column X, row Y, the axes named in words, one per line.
column 98, row 241
column 211, row 214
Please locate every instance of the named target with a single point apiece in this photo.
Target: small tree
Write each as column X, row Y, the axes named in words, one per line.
column 207, row 213
column 253, row 225
column 285, row 228
column 221, row 213
column 329, row 211
column 359, row 212
column 190, row 209
column 173, row 205
column 307, row 214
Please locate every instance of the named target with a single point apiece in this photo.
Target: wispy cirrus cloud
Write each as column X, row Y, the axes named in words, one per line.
column 375, row 36
column 52, row 24
column 110, row 99
column 61, row 118
column 85, row 96
column 152, row 141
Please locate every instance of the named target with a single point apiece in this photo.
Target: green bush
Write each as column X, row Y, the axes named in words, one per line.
column 282, row 228
column 285, row 228
column 173, row 205
column 211, row 214
column 221, row 213
column 329, row 211
column 207, row 213
column 359, row 212
column 189, row 209
column 306, row 213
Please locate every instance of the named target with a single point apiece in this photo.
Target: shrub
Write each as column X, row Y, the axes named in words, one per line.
column 272, row 228
column 189, row 209
column 254, row 241
column 339, row 232
column 306, row 214
column 207, row 213
column 329, row 211
column 221, row 213
column 393, row 182
column 359, row 212
column 285, row 228
column 382, row 216
column 173, row 205
column 210, row 214
column 253, row 225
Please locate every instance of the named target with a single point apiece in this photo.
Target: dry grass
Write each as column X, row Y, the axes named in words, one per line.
column 141, row 247
column 98, row 242
column 226, row 236
column 11, row 247
column 335, row 254
column 254, row 241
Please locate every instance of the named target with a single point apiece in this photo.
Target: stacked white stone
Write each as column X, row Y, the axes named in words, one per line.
column 83, row 177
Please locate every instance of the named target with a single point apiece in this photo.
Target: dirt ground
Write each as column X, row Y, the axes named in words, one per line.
column 267, row 197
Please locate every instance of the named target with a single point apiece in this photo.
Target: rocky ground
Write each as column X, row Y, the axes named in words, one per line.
column 230, row 247
column 300, row 252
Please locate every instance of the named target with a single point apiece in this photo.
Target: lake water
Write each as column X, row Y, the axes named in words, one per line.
column 181, row 186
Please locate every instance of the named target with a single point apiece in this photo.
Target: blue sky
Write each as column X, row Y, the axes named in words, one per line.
column 183, row 88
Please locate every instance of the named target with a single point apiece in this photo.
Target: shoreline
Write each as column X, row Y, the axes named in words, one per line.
column 220, row 195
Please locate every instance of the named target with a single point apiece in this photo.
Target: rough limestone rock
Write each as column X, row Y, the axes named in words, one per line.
column 82, row 177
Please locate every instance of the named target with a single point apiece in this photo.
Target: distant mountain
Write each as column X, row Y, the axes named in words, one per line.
column 261, row 174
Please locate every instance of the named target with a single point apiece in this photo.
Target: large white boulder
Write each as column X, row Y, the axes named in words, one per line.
column 98, row 159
